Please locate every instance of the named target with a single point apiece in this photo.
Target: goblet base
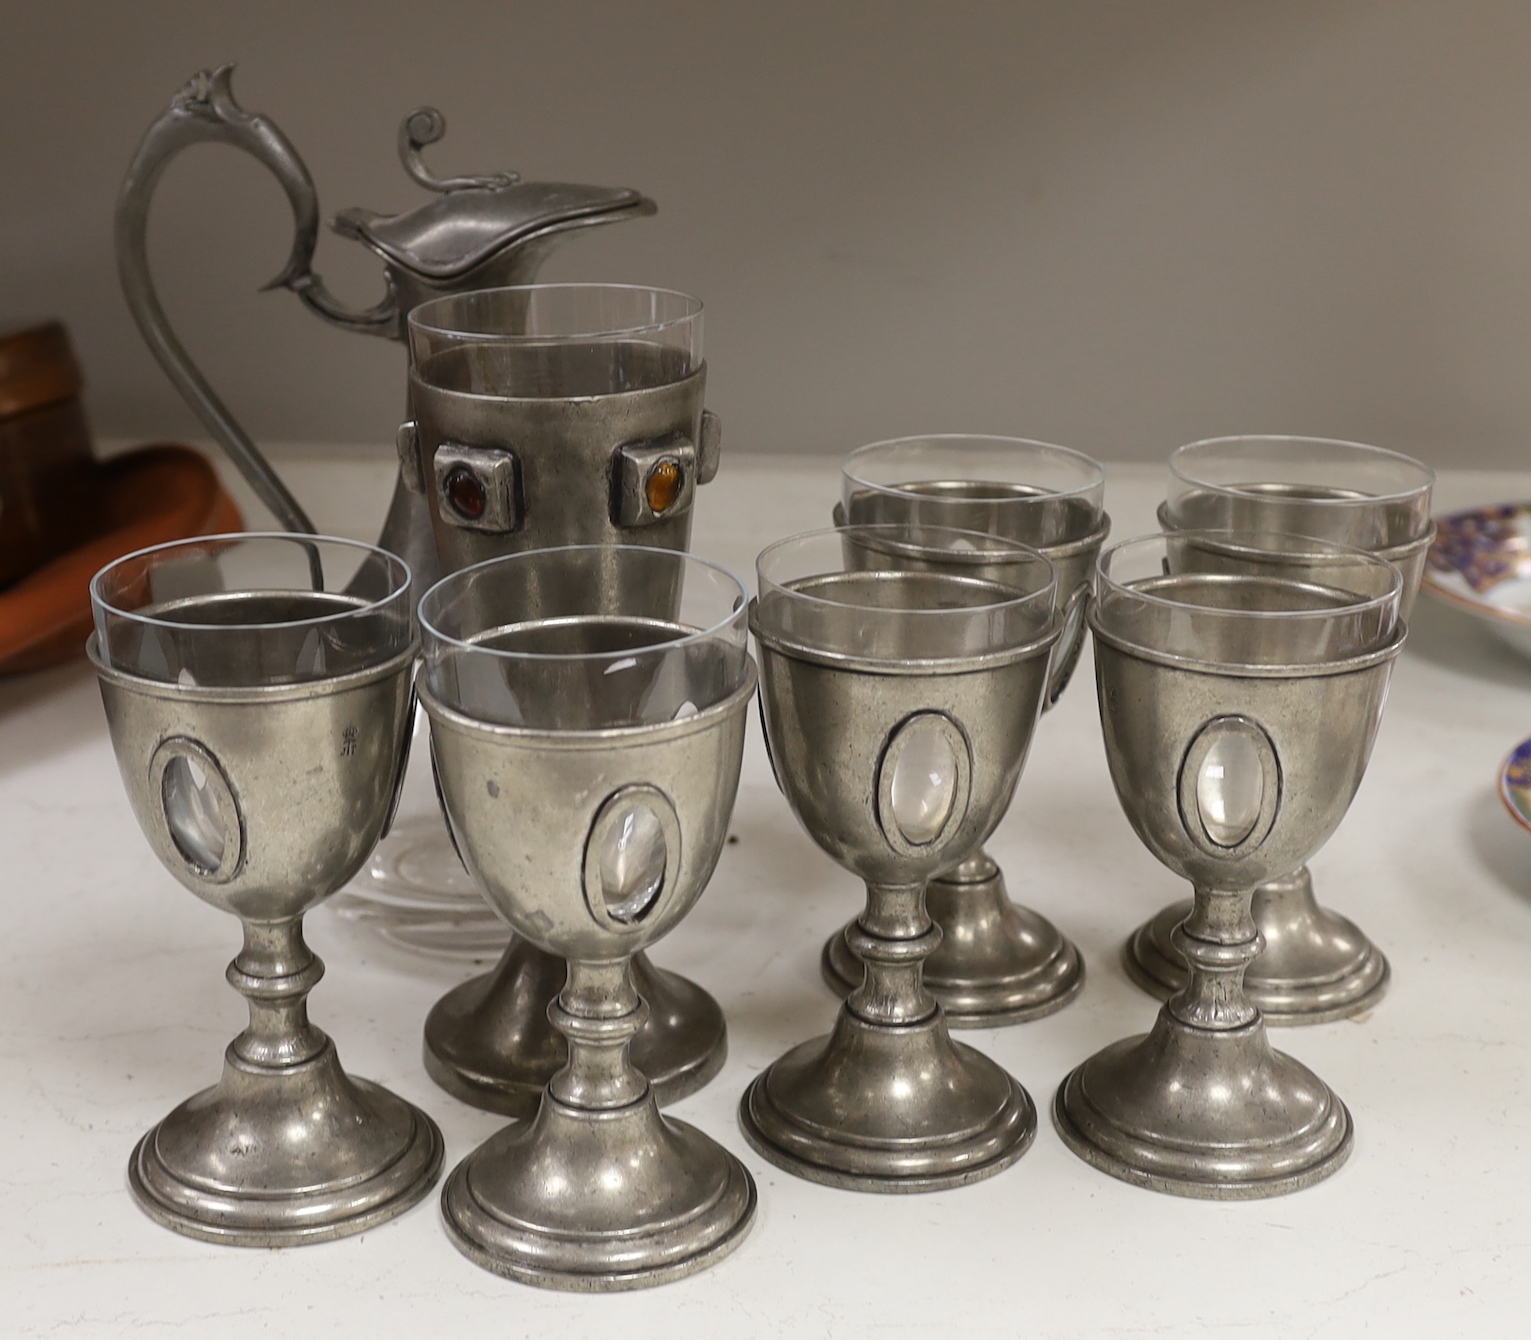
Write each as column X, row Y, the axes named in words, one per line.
column 274, row 1157
column 598, row 1200
column 489, row 1041
column 997, row 963
column 1317, row 966
column 888, row 1108
column 1217, row 1115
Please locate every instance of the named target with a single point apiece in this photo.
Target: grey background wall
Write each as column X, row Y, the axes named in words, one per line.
column 1115, row 225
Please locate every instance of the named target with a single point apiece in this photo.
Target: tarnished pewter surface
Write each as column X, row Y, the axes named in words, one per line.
column 475, row 232
column 286, row 1148
column 1426, row 858
column 1317, row 966
column 887, row 1101
column 998, row 962
column 488, row 1041
column 598, row 1191
column 1202, row 1106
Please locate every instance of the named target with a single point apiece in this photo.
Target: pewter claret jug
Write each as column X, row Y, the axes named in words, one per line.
column 475, row 232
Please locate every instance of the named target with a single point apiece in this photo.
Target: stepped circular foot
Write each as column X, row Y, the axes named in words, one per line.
column 1215, row 1116
column 285, row 1173
column 873, row 1107
column 595, row 1202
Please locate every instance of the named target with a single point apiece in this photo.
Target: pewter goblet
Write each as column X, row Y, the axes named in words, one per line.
column 258, row 694
column 899, row 700
column 557, row 414
column 998, row 962
column 1317, row 965
column 1239, row 709
column 587, row 760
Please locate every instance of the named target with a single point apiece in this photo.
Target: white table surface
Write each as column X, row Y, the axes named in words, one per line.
column 114, row 1009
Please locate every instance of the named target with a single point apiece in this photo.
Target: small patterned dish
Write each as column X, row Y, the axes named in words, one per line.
column 1515, row 783
column 1481, row 563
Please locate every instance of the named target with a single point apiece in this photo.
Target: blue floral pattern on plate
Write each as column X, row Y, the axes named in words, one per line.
column 1486, row 545
column 1515, row 783
column 1481, row 563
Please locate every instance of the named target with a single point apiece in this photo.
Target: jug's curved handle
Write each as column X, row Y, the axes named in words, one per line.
column 205, row 110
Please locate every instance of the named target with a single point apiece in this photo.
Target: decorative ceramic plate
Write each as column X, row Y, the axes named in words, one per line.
column 1515, row 783
column 1481, row 563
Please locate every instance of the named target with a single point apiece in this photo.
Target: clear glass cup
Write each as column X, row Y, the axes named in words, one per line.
column 1030, row 492
column 514, row 642
column 557, row 340
column 902, row 593
column 1227, row 598
column 237, row 611
column 1345, row 492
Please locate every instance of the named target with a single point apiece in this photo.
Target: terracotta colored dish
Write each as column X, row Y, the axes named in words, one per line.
column 152, row 495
